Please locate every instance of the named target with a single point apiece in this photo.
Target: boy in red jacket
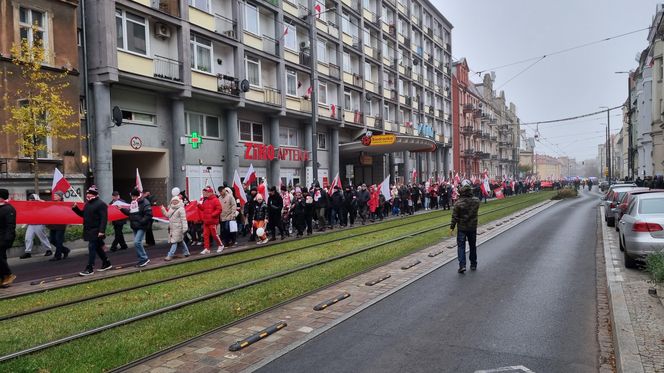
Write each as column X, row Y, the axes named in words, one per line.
column 210, row 209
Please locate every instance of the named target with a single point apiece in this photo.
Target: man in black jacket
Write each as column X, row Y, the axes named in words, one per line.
column 149, row 236
column 118, row 225
column 349, row 209
column 275, row 205
column 362, row 202
column 7, row 236
column 95, row 217
column 140, row 218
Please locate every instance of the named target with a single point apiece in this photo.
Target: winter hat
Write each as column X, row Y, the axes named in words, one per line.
column 4, row 194
column 93, row 190
column 135, row 192
column 208, row 189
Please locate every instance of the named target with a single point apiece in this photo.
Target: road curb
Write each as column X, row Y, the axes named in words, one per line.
column 628, row 359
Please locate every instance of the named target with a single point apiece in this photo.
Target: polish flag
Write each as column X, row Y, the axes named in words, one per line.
column 318, row 10
column 336, row 181
column 239, row 189
column 499, row 193
column 60, row 184
column 457, row 179
column 485, row 184
column 250, row 177
column 414, row 176
column 139, row 184
column 262, row 189
column 384, row 188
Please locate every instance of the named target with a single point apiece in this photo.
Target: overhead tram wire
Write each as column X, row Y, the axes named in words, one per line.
column 563, row 50
column 521, row 72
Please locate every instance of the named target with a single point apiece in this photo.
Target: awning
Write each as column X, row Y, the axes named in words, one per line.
column 402, row 143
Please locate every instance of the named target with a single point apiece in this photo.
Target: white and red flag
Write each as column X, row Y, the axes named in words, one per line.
column 139, row 184
column 239, row 189
column 250, row 176
column 384, row 188
column 413, row 176
column 499, row 193
column 262, row 189
column 60, row 184
column 335, row 182
column 485, row 184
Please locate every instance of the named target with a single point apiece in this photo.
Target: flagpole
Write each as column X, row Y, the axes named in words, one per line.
column 76, row 194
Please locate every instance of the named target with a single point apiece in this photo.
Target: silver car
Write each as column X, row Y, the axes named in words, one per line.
column 610, row 200
column 642, row 227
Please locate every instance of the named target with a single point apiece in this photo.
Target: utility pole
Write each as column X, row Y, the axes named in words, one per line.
column 608, row 137
column 311, row 21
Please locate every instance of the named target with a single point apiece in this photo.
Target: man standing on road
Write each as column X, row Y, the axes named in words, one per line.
column 140, row 216
column 118, row 225
column 464, row 214
column 7, row 236
column 95, row 217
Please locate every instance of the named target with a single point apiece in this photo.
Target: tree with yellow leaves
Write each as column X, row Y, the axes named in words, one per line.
column 35, row 107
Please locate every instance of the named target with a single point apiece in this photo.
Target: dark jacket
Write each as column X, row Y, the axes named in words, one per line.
column 323, row 200
column 464, row 213
column 260, row 210
column 363, row 197
column 141, row 218
column 7, row 225
column 95, row 217
column 275, row 204
column 350, row 199
column 337, row 199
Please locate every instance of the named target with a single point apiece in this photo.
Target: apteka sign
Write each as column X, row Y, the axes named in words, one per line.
column 262, row 152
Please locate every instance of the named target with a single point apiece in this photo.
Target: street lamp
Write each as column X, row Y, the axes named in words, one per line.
column 630, row 146
column 608, row 140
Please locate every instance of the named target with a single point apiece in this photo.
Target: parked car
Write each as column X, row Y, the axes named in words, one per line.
column 642, row 228
column 603, row 186
column 623, row 202
column 610, row 201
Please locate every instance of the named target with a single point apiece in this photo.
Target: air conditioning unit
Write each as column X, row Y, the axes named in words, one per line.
column 162, row 31
column 304, row 45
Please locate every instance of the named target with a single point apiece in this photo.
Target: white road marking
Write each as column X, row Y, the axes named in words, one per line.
column 516, row 368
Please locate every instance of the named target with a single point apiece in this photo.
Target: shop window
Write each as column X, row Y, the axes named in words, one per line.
column 131, row 32
column 201, row 53
column 137, row 117
column 251, row 132
column 29, row 18
column 322, row 141
column 288, row 136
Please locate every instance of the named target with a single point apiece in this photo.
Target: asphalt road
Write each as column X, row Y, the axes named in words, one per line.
column 531, row 303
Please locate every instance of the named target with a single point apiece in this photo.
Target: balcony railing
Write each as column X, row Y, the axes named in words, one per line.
column 467, row 130
column 494, row 157
column 305, row 105
column 228, row 85
column 335, row 72
column 167, row 68
column 272, row 96
column 270, row 45
column 305, row 59
column 225, row 26
column 170, row 6
column 468, row 108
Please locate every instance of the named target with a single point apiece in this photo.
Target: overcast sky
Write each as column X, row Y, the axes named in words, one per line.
column 491, row 33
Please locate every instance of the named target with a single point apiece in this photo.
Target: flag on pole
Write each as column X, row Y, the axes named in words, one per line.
column 485, row 184
column 262, row 189
column 499, row 193
column 139, row 184
column 335, row 182
column 250, row 177
column 60, row 184
column 239, row 189
column 384, row 188
column 413, row 177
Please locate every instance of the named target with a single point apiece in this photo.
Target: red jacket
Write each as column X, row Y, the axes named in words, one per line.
column 210, row 210
column 373, row 201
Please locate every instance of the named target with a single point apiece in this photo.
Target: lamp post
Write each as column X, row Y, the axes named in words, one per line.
column 608, row 140
column 630, row 147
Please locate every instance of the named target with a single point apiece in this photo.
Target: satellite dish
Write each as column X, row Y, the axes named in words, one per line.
column 415, row 61
column 117, row 116
column 244, row 85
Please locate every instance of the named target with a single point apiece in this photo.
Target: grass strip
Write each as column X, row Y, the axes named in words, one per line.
column 122, row 345
column 10, row 306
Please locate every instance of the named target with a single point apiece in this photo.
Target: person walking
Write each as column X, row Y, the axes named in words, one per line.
column 149, row 235
column 363, row 197
column 464, row 215
column 118, row 225
column 7, row 236
column 95, row 217
column 275, row 205
column 228, row 214
column 177, row 226
column 57, row 234
column 140, row 217
column 210, row 210
column 260, row 219
column 297, row 208
column 36, row 230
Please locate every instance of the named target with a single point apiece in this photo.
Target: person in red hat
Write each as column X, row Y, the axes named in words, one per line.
column 210, row 209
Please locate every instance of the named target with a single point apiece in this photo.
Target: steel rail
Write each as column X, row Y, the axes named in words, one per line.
column 218, row 293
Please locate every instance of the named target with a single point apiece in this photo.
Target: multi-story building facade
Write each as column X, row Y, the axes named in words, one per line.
column 486, row 129
column 239, row 75
column 54, row 22
column 548, row 168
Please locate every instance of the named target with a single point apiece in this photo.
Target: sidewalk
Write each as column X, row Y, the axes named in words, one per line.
column 637, row 317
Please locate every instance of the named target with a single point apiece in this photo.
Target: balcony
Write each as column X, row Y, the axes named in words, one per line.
column 225, row 26
column 494, row 157
column 357, row 80
column 468, row 108
column 467, row 130
column 468, row 152
column 334, row 70
column 167, row 68
column 228, row 85
column 486, row 136
column 170, row 7
column 494, row 137
column 270, row 45
column 353, row 116
column 272, row 96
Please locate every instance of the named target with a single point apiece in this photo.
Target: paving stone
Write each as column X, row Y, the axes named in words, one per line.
column 174, row 363
column 162, row 370
column 204, row 350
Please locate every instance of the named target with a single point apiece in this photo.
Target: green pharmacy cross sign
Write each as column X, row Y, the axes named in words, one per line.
column 195, row 140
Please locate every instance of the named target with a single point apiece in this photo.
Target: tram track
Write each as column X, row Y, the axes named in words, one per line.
column 227, row 290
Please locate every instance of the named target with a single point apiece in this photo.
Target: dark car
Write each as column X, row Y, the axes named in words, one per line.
column 610, row 200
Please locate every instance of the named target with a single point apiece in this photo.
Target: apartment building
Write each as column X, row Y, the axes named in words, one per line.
column 486, row 129
column 205, row 87
column 55, row 24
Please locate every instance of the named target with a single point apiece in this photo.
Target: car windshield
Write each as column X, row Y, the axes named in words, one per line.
column 651, row 206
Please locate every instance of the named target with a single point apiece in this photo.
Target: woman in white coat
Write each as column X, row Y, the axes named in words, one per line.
column 177, row 226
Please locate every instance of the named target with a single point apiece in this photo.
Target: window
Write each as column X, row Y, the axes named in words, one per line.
column 291, row 83
column 345, row 24
column 651, row 206
column 252, row 132
column 138, row 117
column 347, row 101
column 204, row 125
column 251, row 18
column 321, row 51
column 386, row 112
column 288, row 136
column 367, row 72
column 322, row 141
column 322, row 93
column 203, row 5
column 201, row 53
column 367, row 38
column 347, row 65
column 253, row 67
column 29, row 18
column 45, row 141
column 290, row 37
column 131, row 32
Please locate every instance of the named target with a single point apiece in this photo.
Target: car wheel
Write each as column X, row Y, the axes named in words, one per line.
column 629, row 262
column 620, row 244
